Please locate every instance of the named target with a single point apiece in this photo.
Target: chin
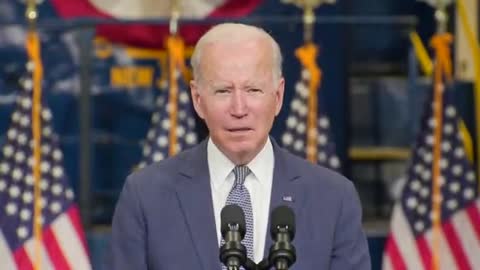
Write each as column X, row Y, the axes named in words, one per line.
column 241, row 150
column 245, row 144
column 242, row 157
column 240, row 147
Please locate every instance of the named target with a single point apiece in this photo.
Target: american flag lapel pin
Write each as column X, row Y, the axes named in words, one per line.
column 287, row 198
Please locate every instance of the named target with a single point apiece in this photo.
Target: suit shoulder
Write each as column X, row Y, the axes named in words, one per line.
column 317, row 175
column 159, row 174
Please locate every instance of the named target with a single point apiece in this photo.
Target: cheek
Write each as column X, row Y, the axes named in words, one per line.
column 214, row 114
column 267, row 109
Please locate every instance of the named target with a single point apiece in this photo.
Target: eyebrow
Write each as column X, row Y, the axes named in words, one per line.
column 227, row 85
column 252, row 85
column 221, row 85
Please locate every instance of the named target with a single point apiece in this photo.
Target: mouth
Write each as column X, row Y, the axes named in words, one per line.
column 239, row 130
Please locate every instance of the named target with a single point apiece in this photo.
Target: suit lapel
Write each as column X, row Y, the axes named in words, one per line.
column 194, row 194
column 286, row 188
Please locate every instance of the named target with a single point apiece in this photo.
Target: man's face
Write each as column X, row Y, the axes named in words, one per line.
column 237, row 96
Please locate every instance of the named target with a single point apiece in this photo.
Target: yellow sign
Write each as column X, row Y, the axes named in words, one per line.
column 134, row 76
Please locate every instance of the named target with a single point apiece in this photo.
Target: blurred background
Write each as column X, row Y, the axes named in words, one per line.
column 105, row 79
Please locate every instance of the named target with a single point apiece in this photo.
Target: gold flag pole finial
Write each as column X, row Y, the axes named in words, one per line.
column 441, row 13
column 174, row 16
column 308, row 7
column 31, row 14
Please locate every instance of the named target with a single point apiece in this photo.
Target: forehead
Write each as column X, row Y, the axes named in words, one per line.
column 224, row 60
column 255, row 49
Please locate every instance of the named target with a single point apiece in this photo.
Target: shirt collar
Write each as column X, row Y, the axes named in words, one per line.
column 220, row 166
column 262, row 164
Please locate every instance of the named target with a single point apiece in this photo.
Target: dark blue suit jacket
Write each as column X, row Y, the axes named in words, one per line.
column 164, row 217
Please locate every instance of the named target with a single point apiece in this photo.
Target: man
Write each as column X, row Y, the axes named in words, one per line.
column 168, row 215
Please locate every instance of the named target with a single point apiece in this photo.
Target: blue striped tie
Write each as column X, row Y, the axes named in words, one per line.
column 239, row 195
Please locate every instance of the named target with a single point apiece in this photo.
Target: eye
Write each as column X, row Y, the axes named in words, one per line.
column 222, row 91
column 255, row 90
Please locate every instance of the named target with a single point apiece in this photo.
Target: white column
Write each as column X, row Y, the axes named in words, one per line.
column 464, row 65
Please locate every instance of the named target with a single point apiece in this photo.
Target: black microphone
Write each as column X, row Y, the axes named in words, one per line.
column 233, row 254
column 282, row 229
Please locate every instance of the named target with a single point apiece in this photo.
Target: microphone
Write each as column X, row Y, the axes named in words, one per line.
column 233, row 253
column 282, row 229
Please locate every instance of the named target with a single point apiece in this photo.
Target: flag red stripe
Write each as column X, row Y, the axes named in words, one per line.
column 84, row 8
column 455, row 246
column 22, row 259
column 394, row 254
column 74, row 217
column 78, row 8
column 425, row 253
column 474, row 215
column 145, row 35
column 235, row 8
column 54, row 251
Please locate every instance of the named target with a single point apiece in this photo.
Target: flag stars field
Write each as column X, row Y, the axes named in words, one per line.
column 58, row 216
column 157, row 142
column 410, row 241
column 297, row 132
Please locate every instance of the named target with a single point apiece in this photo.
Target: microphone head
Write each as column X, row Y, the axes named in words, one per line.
column 232, row 218
column 283, row 219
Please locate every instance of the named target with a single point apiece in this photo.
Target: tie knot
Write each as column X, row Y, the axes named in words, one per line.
column 241, row 173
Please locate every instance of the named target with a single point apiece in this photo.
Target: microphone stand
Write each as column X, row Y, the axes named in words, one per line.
column 250, row 265
column 264, row 265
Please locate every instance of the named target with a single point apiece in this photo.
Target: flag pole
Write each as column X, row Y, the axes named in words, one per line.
column 174, row 16
column 309, row 18
column 33, row 49
column 175, row 49
column 440, row 42
column 307, row 55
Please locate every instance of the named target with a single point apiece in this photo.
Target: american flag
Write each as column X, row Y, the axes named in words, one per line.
column 157, row 143
column 63, row 243
column 295, row 136
column 410, row 242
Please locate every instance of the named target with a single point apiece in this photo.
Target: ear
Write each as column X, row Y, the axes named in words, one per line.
column 279, row 95
column 196, row 99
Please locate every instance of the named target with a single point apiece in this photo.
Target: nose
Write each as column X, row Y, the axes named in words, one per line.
column 238, row 105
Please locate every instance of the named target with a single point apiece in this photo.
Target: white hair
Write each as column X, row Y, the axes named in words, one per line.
column 235, row 32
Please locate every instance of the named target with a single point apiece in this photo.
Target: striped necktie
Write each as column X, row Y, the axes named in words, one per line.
column 239, row 195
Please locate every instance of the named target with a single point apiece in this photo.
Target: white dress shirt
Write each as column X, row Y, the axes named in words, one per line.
column 258, row 184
